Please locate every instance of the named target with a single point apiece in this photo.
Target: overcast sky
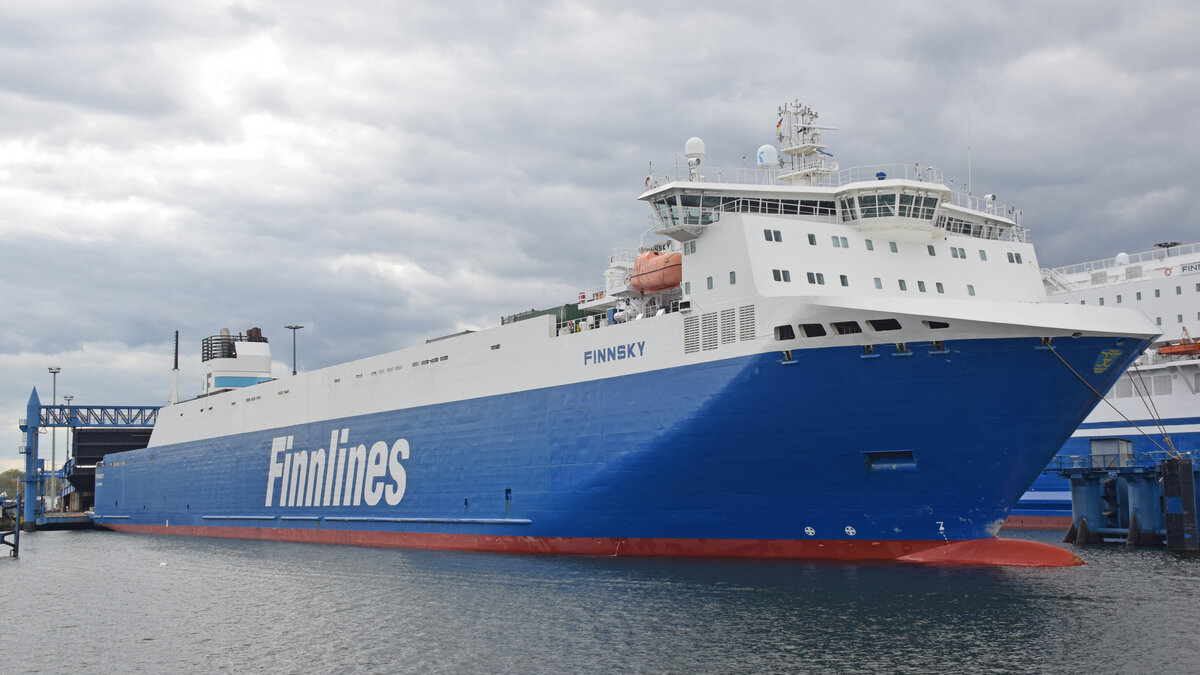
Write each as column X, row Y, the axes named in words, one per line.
column 385, row 172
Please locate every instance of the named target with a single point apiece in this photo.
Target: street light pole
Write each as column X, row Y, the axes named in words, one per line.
column 293, row 329
column 54, row 371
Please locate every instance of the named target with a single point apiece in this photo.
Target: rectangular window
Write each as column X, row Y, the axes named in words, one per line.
column 812, row 239
column 878, row 282
column 689, row 247
column 812, row 278
column 1010, row 257
column 777, row 275
column 940, row 288
column 845, row 281
column 820, row 279
column 931, row 250
column 892, row 245
column 883, row 324
column 921, row 286
column 687, row 287
column 836, row 242
column 1139, row 295
column 845, row 243
column 1018, row 258
column 1157, row 293
column 1118, row 299
column 1101, row 301
column 1179, row 318
column 710, row 283
column 767, row 235
column 813, row 329
column 1198, row 288
column 777, row 235
column 953, row 252
column 903, row 285
column 871, row 247
column 1158, row 320
column 846, row 327
column 784, row 332
column 982, row 254
column 970, row 290
column 1179, row 290
column 787, row 276
column 732, row 277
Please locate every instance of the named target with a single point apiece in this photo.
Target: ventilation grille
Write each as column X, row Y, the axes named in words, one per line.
column 708, row 331
column 746, row 322
column 691, row 335
column 728, row 326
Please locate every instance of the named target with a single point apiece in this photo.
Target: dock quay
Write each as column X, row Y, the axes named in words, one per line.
column 1143, row 499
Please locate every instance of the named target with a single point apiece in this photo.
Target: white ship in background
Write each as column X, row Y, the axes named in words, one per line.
column 1156, row 403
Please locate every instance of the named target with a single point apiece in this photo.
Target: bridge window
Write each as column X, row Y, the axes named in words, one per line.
column 812, row 329
column 884, row 324
column 846, row 327
column 785, row 332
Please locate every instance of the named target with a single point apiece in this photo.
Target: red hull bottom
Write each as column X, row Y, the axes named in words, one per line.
column 1009, row 552
column 1038, row 523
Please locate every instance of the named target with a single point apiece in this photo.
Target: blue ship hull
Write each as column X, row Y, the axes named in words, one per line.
column 833, row 454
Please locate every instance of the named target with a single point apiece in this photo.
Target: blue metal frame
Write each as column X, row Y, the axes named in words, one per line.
column 77, row 416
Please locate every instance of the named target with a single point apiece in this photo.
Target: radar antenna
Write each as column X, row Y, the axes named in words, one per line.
column 800, row 139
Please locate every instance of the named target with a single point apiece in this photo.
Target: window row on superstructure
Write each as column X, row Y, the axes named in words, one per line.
column 883, row 205
column 838, row 241
column 1138, row 295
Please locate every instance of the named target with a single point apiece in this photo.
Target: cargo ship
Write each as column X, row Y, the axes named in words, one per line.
column 797, row 361
column 1153, row 410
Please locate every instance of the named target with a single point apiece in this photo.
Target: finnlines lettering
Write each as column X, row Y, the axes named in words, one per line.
column 343, row 476
column 1188, row 268
column 625, row 351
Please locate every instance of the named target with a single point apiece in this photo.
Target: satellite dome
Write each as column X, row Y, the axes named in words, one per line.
column 1122, row 258
column 767, row 155
column 694, row 148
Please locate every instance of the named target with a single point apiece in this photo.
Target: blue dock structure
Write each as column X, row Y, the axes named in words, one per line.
column 97, row 429
column 1143, row 498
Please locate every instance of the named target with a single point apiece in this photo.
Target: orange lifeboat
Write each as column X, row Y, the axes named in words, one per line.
column 1182, row 348
column 655, row 271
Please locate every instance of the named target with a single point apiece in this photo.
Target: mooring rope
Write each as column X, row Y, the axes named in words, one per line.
column 1170, row 449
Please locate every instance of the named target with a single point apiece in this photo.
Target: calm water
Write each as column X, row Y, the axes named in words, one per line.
column 107, row 602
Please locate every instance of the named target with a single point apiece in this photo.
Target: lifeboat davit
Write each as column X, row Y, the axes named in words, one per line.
column 655, row 271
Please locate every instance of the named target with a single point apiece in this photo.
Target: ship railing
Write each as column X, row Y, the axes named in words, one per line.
column 1113, row 461
column 223, row 346
column 592, row 294
column 1134, row 259
column 770, row 176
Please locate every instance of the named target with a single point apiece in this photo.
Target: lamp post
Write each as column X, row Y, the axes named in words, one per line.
column 293, row 329
column 54, row 371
